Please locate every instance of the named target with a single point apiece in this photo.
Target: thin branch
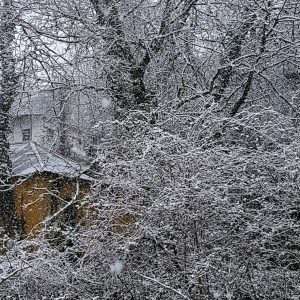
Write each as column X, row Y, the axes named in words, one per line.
column 164, row 285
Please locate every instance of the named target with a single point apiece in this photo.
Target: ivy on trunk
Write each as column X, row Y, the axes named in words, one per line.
column 8, row 83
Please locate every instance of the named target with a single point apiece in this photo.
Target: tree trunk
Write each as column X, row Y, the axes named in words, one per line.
column 7, row 94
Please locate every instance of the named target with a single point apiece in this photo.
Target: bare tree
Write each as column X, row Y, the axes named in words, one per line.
column 201, row 200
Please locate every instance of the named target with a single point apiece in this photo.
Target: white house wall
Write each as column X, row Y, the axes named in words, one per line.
column 34, row 123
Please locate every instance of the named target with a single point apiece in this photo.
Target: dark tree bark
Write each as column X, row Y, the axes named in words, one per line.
column 7, row 95
column 63, row 141
column 127, row 80
column 235, row 39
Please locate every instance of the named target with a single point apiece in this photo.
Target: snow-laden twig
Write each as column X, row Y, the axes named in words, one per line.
column 164, row 285
column 12, row 274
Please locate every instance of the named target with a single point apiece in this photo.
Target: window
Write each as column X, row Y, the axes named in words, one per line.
column 26, row 133
column 50, row 133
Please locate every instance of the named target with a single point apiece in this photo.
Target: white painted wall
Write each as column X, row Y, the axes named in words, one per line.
column 32, row 122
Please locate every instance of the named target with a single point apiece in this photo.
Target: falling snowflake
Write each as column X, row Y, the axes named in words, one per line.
column 116, row 267
column 105, row 102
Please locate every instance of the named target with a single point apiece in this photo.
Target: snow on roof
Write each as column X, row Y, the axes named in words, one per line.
column 29, row 158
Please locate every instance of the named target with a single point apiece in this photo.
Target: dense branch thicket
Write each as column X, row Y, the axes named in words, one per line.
column 197, row 182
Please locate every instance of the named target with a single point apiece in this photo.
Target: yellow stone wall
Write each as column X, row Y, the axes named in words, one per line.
column 33, row 204
column 34, row 201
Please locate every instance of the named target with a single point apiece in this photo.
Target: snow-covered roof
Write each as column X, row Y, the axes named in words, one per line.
column 29, row 158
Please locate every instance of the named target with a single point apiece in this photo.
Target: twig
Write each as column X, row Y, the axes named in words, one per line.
column 12, row 274
column 164, row 285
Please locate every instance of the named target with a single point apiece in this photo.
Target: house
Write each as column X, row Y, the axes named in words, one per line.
column 27, row 119
column 48, row 187
column 71, row 124
column 26, row 127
